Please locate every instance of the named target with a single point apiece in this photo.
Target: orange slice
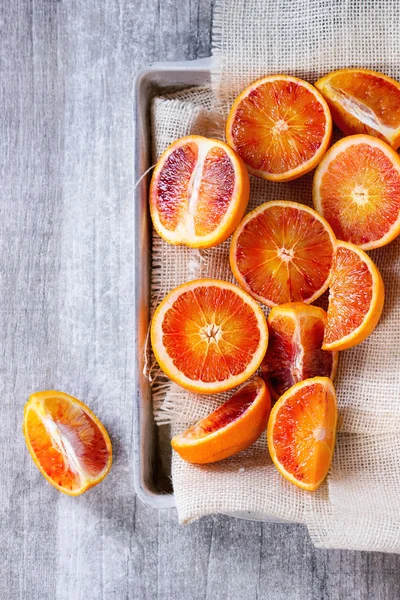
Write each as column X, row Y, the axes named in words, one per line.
column 294, row 353
column 363, row 101
column 280, row 126
column 67, row 442
column 357, row 189
column 302, row 430
column 198, row 193
column 209, row 336
column 233, row 427
column 356, row 298
column 282, row 252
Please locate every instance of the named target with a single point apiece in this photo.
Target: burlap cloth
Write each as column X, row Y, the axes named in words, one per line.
column 358, row 506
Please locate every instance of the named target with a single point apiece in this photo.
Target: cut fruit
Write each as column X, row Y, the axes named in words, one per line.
column 67, row 442
column 294, row 353
column 233, row 427
column 363, row 101
column 357, row 189
column 209, row 336
column 356, row 298
column 199, row 192
column 282, row 252
column 302, row 431
column 281, row 127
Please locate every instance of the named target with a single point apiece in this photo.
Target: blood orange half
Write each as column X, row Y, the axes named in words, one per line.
column 357, row 189
column 198, row 193
column 363, row 101
column 231, row 428
column 302, row 431
column 67, row 442
column 209, row 335
column 356, row 298
column 280, row 126
column 282, row 252
column 294, row 353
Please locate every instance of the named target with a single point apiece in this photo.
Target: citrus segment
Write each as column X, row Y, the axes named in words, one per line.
column 302, row 430
column 198, row 193
column 296, row 332
column 357, row 189
column 231, row 428
column 282, row 252
column 356, row 298
column 67, row 442
column 363, row 101
column 208, row 335
column 280, row 126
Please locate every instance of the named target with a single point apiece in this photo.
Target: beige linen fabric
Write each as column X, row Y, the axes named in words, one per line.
column 358, row 506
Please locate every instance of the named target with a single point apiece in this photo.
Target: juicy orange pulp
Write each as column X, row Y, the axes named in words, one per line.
column 302, row 430
column 296, row 332
column 199, row 192
column 363, row 101
column 355, row 300
column 67, row 442
column 357, row 189
column 207, row 334
column 231, row 428
column 282, row 252
column 279, row 126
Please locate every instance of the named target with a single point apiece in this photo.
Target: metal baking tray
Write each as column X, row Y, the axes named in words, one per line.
column 151, row 470
column 152, row 456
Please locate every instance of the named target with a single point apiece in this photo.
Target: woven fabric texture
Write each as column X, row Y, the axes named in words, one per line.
column 357, row 507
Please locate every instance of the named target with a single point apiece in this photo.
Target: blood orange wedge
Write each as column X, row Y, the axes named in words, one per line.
column 294, row 353
column 282, row 252
column 356, row 298
column 199, row 192
column 281, row 127
column 363, row 101
column 67, row 442
column 357, row 189
column 302, row 431
column 209, row 336
column 231, row 428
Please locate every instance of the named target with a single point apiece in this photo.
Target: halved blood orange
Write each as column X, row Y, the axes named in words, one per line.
column 363, row 101
column 209, row 336
column 294, row 353
column 357, row 189
column 233, row 427
column 282, row 252
column 67, row 442
column 280, row 126
column 356, row 298
column 302, row 431
column 199, row 192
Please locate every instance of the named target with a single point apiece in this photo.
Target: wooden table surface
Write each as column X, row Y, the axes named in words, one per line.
column 66, row 78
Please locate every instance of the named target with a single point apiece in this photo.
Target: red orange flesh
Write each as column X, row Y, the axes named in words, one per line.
column 282, row 252
column 302, row 431
column 363, row 101
column 231, row 428
column 356, row 298
column 280, row 126
column 357, row 189
column 198, row 193
column 67, row 442
column 294, row 353
column 209, row 335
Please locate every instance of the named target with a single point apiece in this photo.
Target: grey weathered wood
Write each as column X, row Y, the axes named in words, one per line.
column 66, row 75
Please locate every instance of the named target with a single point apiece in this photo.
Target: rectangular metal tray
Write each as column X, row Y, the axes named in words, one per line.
column 152, row 479
column 151, row 470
